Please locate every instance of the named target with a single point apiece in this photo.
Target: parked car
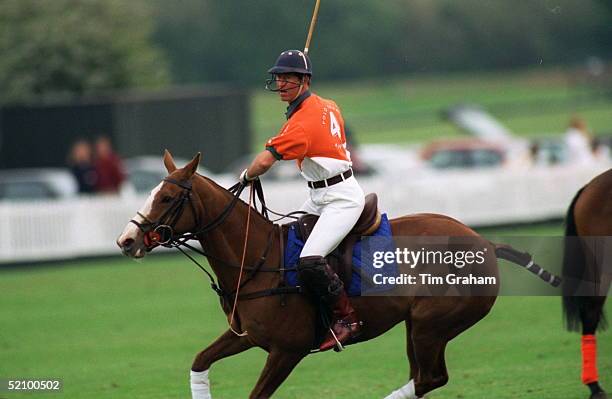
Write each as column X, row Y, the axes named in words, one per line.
column 464, row 153
column 37, row 184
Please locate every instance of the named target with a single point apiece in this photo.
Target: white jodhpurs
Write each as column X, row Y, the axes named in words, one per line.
column 338, row 207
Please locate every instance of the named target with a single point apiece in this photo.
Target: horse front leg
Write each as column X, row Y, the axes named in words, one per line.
column 226, row 345
column 278, row 366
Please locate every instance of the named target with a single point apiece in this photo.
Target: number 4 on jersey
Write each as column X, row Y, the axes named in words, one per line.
column 334, row 125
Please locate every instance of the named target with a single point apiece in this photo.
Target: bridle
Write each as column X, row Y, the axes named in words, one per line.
column 161, row 231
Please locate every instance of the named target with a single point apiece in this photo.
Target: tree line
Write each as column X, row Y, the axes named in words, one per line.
column 213, row 40
column 91, row 46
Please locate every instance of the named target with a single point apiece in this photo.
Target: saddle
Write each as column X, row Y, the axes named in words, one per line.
column 341, row 258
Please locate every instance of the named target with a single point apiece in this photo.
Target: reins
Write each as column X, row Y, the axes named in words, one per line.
column 244, row 248
column 164, row 228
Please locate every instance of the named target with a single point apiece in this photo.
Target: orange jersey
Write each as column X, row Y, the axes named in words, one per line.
column 315, row 130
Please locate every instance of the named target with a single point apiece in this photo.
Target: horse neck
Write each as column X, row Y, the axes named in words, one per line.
column 226, row 242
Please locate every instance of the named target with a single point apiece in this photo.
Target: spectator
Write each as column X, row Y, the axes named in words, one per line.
column 108, row 166
column 578, row 141
column 81, row 166
column 601, row 150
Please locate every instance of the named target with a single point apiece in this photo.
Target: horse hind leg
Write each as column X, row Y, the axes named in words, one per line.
column 226, row 345
column 590, row 315
column 278, row 367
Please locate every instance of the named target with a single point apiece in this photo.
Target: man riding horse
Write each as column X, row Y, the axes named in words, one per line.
column 314, row 136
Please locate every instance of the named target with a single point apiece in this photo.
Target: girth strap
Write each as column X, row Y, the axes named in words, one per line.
column 271, row 291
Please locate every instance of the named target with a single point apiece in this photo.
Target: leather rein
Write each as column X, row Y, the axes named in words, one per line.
column 161, row 232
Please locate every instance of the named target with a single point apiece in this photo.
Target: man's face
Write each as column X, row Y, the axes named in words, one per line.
column 288, row 85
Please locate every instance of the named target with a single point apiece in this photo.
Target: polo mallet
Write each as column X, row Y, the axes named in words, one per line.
column 313, row 22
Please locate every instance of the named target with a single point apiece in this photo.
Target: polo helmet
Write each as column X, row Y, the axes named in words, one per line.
column 292, row 61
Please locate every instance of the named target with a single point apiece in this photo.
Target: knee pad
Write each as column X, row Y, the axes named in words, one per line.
column 311, row 270
column 317, row 275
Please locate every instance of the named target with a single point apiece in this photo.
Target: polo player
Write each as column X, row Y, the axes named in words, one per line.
column 314, row 136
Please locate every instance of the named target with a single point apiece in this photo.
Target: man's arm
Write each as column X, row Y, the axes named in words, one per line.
column 260, row 165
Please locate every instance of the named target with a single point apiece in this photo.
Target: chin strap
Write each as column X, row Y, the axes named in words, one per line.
column 299, row 91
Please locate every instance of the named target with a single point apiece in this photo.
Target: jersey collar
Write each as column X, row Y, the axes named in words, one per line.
column 293, row 106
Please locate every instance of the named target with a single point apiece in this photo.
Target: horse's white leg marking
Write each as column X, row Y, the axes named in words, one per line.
column 200, row 385
column 405, row 392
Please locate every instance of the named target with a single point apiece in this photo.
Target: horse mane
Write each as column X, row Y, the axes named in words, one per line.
column 218, row 188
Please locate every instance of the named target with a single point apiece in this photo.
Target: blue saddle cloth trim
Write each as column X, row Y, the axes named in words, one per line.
column 379, row 243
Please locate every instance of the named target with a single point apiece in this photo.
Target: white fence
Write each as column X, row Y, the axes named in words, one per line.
column 89, row 226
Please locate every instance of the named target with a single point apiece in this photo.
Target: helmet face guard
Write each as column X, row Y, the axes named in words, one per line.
column 272, row 84
column 290, row 61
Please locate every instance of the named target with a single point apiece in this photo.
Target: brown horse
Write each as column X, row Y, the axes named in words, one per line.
column 586, row 280
column 285, row 328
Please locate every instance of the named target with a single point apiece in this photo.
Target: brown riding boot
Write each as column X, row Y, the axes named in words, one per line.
column 346, row 324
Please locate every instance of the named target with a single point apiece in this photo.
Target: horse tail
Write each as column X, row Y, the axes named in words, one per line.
column 574, row 268
column 506, row 252
column 573, row 265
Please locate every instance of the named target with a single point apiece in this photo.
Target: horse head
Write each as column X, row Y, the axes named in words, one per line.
column 164, row 213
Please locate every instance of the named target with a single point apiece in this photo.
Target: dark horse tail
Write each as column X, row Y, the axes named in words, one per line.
column 574, row 267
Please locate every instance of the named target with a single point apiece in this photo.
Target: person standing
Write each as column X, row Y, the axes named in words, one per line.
column 579, row 142
column 108, row 166
column 81, row 165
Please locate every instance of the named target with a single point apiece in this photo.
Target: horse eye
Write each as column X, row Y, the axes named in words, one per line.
column 166, row 199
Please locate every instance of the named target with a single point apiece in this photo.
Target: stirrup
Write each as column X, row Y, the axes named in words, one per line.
column 339, row 347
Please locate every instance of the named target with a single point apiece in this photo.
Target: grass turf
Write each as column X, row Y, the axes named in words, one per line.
column 114, row 328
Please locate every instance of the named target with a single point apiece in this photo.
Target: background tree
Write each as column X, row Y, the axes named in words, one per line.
column 211, row 40
column 76, row 47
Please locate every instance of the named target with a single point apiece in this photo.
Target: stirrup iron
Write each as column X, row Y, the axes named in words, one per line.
column 339, row 347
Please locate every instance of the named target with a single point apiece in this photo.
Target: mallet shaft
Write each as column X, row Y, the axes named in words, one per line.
column 313, row 22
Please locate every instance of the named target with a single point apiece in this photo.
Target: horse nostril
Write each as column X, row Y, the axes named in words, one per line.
column 127, row 243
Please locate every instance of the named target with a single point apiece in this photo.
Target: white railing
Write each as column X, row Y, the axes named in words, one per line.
column 89, row 226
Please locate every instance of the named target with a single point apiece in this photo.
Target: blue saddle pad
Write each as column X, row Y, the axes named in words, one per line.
column 381, row 240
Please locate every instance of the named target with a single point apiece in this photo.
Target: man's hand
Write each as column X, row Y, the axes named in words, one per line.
column 245, row 179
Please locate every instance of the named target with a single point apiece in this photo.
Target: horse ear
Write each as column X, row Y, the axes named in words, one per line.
column 169, row 162
column 192, row 166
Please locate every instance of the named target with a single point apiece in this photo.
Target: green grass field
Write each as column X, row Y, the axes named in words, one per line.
column 408, row 109
column 115, row 328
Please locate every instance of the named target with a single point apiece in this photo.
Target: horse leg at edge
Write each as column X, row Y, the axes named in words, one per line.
column 278, row 366
column 590, row 315
column 226, row 345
